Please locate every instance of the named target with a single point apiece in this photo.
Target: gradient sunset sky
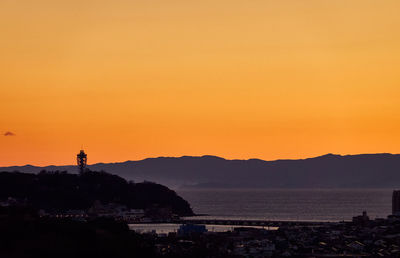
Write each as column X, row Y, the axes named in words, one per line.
column 131, row 79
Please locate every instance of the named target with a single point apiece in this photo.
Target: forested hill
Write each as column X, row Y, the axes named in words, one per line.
column 62, row 191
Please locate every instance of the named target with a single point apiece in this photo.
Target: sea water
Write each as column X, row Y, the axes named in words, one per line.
column 289, row 204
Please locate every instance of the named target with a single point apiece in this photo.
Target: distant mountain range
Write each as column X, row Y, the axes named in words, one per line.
column 328, row 171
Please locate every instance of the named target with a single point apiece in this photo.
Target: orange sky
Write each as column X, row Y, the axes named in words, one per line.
column 132, row 79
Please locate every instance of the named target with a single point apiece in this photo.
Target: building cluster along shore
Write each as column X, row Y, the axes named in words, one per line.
column 357, row 238
column 360, row 237
column 115, row 211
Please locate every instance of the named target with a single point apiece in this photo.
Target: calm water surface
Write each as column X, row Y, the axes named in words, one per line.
column 289, row 204
column 165, row 228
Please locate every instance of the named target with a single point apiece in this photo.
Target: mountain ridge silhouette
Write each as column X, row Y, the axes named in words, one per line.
column 326, row 171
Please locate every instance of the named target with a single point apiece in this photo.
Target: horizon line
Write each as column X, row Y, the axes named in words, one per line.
column 202, row 156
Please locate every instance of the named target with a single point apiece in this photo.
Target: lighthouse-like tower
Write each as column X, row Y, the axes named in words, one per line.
column 81, row 159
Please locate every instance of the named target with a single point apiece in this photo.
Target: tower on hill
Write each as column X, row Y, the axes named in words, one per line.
column 82, row 161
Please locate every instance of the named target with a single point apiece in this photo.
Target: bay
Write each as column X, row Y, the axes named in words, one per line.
column 289, row 204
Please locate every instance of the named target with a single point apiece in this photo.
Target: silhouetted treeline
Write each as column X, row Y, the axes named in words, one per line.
column 23, row 234
column 62, row 191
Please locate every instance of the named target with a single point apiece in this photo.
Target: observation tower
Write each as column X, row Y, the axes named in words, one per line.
column 81, row 159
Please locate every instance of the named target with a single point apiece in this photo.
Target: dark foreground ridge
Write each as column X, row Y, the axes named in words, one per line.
column 328, row 171
column 25, row 234
column 60, row 191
